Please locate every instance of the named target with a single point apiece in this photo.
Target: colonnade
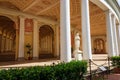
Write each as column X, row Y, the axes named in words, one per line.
column 113, row 37
column 86, row 38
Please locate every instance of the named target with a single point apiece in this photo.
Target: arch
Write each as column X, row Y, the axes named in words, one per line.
column 99, row 46
column 46, row 42
column 7, row 51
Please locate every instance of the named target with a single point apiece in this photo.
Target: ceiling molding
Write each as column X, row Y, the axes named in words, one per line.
column 18, row 13
column 99, row 4
column 49, row 7
column 31, row 5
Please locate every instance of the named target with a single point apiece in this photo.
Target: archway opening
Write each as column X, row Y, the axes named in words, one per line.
column 46, row 42
column 7, row 39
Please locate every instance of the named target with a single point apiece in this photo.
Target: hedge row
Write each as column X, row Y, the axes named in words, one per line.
column 115, row 61
column 73, row 70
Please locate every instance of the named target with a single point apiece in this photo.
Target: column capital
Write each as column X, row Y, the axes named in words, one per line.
column 108, row 11
column 21, row 17
column 35, row 20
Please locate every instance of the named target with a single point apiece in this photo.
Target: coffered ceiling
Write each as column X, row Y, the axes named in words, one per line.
column 51, row 9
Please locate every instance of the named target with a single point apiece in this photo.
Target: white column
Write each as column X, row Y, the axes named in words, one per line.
column 10, row 45
column 114, row 35
column 2, row 44
column 21, row 38
column 118, row 37
column 65, row 31
column 110, row 42
column 35, row 40
column 7, row 44
column 86, row 38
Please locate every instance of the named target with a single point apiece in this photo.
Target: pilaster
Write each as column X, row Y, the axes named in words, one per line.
column 118, row 37
column 114, row 35
column 35, row 40
column 110, row 40
column 21, row 38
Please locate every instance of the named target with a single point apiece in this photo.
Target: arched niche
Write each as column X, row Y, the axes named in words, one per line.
column 46, row 42
column 99, row 46
column 7, row 39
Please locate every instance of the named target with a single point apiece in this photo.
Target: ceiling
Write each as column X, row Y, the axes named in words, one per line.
column 51, row 9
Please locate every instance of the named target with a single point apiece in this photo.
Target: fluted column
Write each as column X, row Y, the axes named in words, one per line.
column 35, row 40
column 110, row 40
column 114, row 35
column 21, row 38
column 65, row 31
column 118, row 37
column 2, row 47
column 6, row 44
column 86, row 38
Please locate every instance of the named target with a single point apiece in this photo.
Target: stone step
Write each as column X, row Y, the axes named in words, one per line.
column 99, row 57
column 96, row 64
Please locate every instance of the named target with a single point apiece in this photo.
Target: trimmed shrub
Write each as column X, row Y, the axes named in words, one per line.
column 115, row 61
column 73, row 70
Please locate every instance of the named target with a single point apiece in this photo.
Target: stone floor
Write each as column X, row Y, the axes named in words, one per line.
column 27, row 63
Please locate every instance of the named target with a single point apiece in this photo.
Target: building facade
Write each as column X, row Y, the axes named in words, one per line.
column 37, row 29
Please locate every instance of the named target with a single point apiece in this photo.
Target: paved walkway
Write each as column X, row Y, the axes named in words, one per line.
column 27, row 63
column 114, row 77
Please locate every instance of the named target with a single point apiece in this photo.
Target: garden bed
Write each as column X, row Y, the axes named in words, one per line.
column 73, row 70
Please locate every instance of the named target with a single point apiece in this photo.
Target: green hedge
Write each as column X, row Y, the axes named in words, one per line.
column 115, row 61
column 73, row 70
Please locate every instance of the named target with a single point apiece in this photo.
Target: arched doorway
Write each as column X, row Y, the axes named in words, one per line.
column 7, row 39
column 99, row 46
column 46, row 42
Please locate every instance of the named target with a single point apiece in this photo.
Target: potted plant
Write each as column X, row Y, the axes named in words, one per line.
column 29, row 51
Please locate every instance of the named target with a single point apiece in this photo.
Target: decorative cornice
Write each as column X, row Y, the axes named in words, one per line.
column 114, row 5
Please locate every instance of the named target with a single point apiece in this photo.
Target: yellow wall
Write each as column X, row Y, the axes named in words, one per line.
column 28, row 39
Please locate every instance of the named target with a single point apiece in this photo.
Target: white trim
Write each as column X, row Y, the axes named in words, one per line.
column 109, row 7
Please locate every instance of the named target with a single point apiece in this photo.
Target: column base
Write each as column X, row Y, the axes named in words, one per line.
column 21, row 59
column 78, row 56
column 35, row 58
